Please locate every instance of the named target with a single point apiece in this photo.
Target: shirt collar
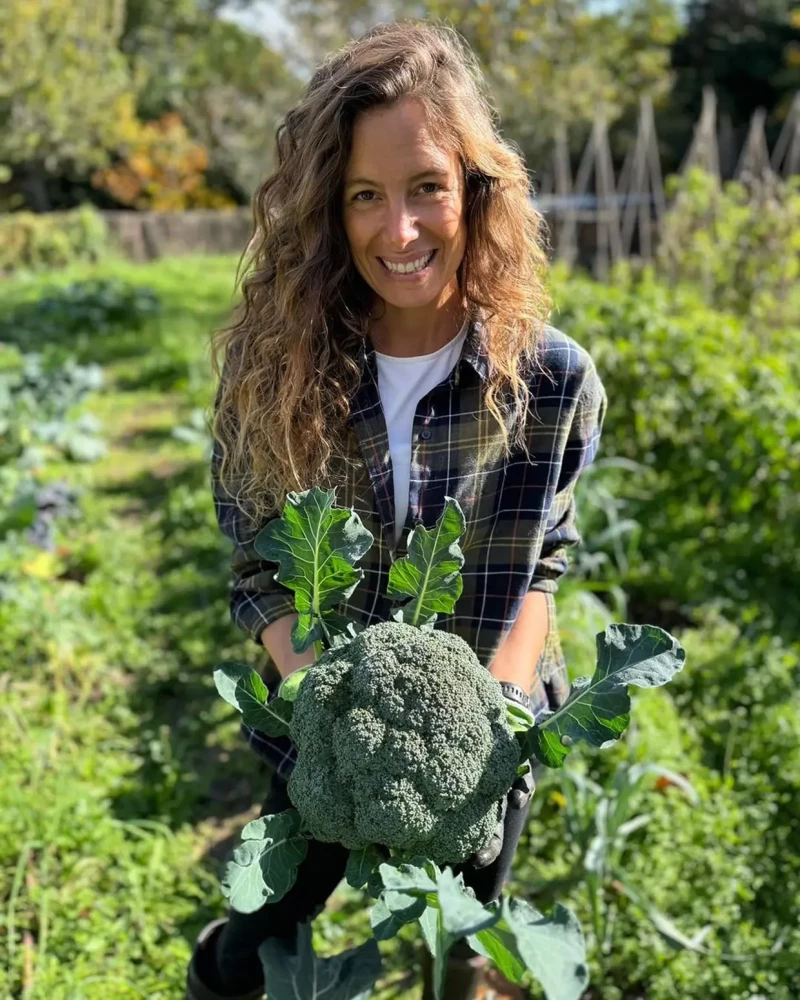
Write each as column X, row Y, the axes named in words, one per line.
column 474, row 354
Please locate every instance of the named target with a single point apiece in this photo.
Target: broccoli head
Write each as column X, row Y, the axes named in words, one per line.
column 402, row 740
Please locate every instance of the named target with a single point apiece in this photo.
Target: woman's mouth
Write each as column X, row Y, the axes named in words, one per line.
column 414, row 269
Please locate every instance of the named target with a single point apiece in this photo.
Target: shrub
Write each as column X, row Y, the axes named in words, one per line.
column 711, row 411
column 728, row 864
column 92, row 307
column 37, row 242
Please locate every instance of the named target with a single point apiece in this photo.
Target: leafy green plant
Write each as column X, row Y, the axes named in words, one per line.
column 706, row 404
column 600, row 823
column 316, row 546
column 38, row 395
column 740, row 243
column 92, row 308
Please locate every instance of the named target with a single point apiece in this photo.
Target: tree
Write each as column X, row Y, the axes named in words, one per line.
column 547, row 62
column 227, row 84
column 747, row 50
column 65, row 88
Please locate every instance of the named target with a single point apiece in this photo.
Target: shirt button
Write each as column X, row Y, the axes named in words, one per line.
column 425, row 435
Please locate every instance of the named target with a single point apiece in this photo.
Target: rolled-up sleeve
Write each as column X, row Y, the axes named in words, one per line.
column 583, row 439
column 256, row 600
column 582, row 443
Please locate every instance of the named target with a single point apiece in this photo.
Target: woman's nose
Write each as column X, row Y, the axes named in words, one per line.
column 401, row 225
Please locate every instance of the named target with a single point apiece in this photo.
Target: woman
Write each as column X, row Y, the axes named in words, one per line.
column 393, row 343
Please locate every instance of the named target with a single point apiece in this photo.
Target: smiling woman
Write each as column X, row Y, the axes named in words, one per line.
column 405, row 218
column 392, row 344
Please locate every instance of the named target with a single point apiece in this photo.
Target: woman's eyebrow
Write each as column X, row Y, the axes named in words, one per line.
column 438, row 171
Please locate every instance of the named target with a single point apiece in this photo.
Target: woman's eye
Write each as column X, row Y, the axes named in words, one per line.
column 428, row 184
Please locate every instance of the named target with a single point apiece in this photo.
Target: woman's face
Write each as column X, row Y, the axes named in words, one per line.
column 404, row 204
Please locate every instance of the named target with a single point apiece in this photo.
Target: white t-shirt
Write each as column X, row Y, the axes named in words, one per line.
column 402, row 382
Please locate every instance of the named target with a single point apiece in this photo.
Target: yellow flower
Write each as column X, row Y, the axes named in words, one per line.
column 43, row 565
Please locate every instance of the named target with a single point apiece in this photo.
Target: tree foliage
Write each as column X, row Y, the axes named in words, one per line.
column 547, row 62
column 63, row 87
column 227, row 84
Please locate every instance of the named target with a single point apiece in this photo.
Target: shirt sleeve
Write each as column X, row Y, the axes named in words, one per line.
column 583, row 441
column 256, row 600
column 561, row 534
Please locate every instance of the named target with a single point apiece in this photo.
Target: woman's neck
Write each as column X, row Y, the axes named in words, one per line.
column 409, row 333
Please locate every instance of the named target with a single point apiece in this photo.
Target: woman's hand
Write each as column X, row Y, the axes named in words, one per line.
column 517, row 799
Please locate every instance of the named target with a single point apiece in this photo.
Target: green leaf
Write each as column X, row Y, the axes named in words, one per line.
column 243, row 688
column 405, row 877
column 429, row 924
column 290, row 686
column 392, row 910
column 447, row 914
column 552, row 947
column 499, row 945
column 271, row 717
column 301, row 975
column 316, row 546
column 462, row 914
column 518, row 718
column 226, row 676
column 597, row 709
column 431, row 572
column 361, row 864
column 263, row 867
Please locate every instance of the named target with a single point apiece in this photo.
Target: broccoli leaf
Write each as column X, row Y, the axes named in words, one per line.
column 597, row 709
column 499, row 945
column 406, row 877
column 448, row 912
column 518, row 718
column 429, row 924
column 290, row 686
column 462, row 914
column 242, row 687
column 361, row 863
column 263, row 867
column 552, row 947
column 226, row 676
column 431, row 572
column 316, row 546
column 459, row 916
column 300, row 975
column 392, row 910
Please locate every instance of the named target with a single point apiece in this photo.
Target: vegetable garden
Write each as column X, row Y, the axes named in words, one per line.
column 125, row 782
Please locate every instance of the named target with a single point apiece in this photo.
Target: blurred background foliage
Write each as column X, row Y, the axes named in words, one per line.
column 182, row 74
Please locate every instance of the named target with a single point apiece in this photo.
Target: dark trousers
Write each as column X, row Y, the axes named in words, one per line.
column 238, row 967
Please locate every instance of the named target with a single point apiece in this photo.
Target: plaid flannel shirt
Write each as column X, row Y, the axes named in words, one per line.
column 519, row 510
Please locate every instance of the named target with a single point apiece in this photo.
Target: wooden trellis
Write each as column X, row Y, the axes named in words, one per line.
column 786, row 154
column 625, row 213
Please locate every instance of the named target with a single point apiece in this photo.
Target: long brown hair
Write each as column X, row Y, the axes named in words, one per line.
column 287, row 364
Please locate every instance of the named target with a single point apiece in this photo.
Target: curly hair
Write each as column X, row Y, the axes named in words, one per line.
column 287, row 363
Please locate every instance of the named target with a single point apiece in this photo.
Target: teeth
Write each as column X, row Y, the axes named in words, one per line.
column 414, row 265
